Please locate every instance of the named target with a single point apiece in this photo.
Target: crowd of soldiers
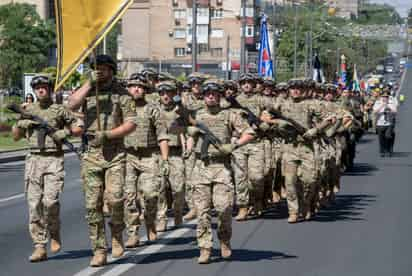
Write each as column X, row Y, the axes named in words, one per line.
column 152, row 143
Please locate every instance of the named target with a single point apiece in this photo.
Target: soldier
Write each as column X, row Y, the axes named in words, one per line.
column 191, row 101
column 248, row 165
column 145, row 164
column 44, row 173
column 107, row 120
column 213, row 182
column 152, row 78
column 174, row 182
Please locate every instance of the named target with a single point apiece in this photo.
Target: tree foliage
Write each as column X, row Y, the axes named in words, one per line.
column 25, row 42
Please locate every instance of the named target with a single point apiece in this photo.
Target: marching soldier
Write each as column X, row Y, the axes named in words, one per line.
column 44, row 173
column 213, row 182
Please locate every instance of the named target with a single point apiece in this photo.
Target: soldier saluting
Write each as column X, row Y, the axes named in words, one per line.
column 44, row 173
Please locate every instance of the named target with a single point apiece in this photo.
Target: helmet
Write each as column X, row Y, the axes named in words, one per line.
column 104, row 60
column 168, row 86
column 149, row 73
column 296, row 83
column 137, row 79
column 40, row 79
column 214, row 85
column 269, row 83
column 258, row 79
column 230, row 84
column 165, row 77
column 283, row 86
column 196, row 78
column 247, row 77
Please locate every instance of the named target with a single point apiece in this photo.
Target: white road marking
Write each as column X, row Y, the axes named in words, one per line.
column 138, row 256
column 11, row 198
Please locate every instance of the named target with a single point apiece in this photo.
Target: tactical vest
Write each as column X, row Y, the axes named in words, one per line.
column 145, row 134
column 175, row 125
column 192, row 103
column 253, row 103
column 299, row 112
column 53, row 116
column 218, row 124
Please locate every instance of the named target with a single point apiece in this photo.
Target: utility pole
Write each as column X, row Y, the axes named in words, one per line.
column 243, row 38
column 275, row 40
column 194, row 36
column 295, row 43
column 227, row 57
column 311, row 40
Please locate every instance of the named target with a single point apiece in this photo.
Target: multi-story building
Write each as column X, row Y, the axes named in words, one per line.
column 45, row 8
column 158, row 34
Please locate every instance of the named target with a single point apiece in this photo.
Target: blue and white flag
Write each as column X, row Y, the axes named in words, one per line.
column 265, row 66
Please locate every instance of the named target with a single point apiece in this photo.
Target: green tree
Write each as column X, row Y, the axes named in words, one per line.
column 25, row 42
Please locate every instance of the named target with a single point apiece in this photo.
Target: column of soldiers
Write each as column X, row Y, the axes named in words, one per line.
column 153, row 144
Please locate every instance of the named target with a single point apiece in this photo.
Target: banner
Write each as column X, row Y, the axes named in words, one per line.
column 355, row 83
column 265, row 66
column 80, row 26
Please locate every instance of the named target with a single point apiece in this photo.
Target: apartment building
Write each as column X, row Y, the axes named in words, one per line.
column 158, row 34
column 45, row 8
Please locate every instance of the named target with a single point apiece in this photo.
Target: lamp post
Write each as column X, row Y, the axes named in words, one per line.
column 295, row 41
column 243, row 39
column 194, row 36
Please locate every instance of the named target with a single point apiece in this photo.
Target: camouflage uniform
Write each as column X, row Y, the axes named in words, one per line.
column 103, row 166
column 44, row 174
column 213, row 183
column 142, row 166
column 176, row 179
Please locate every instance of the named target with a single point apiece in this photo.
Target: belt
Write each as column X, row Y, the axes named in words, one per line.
column 142, row 152
column 48, row 153
column 214, row 159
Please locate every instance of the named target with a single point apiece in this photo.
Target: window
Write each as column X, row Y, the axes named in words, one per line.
column 203, row 48
column 217, row 13
column 180, row 33
column 180, row 52
column 216, row 52
column 179, row 14
column 249, row 12
column 202, row 30
column 217, row 33
column 249, row 31
column 203, row 12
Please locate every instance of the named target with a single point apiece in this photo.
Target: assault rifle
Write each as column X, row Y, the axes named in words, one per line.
column 43, row 128
column 255, row 121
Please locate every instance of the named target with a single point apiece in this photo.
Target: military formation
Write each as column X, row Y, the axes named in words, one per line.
column 152, row 144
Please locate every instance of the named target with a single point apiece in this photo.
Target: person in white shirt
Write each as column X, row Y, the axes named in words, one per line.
column 385, row 111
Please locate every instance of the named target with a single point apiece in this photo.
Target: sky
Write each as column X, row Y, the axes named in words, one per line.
column 403, row 6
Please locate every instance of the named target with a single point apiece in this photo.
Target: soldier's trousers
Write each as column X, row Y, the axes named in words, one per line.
column 189, row 166
column 44, row 178
column 301, row 177
column 173, row 183
column 248, row 167
column 213, row 185
column 142, row 180
column 103, row 173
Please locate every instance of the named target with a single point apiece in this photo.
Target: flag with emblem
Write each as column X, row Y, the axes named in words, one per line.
column 265, row 66
column 80, row 27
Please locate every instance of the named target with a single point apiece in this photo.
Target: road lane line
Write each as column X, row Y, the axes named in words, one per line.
column 139, row 256
column 11, row 198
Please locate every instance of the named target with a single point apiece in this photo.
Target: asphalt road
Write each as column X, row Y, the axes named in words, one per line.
column 367, row 231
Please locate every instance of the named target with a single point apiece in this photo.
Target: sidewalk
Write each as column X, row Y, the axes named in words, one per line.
column 19, row 155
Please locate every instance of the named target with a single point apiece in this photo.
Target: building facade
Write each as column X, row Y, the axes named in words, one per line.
column 158, row 34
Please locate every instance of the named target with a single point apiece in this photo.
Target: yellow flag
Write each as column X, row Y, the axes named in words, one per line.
column 81, row 25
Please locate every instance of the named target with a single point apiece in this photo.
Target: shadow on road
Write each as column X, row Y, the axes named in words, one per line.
column 401, row 154
column 17, row 168
column 240, row 255
column 346, row 207
column 361, row 169
column 73, row 254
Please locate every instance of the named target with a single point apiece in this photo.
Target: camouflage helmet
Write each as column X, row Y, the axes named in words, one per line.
column 165, row 76
column 213, row 85
column 282, row 86
column 296, row 83
column 196, row 78
column 40, row 79
column 230, row 84
column 247, row 77
column 166, row 86
column 137, row 79
column 104, row 60
column 269, row 83
column 149, row 73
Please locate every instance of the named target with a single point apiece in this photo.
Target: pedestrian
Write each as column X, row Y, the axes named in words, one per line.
column 44, row 172
column 385, row 112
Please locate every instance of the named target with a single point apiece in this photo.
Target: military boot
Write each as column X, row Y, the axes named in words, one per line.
column 293, row 218
column 133, row 241
column 55, row 243
column 151, row 232
column 242, row 214
column 204, row 257
column 99, row 258
column 39, row 254
column 225, row 250
column 191, row 215
column 161, row 225
column 117, row 244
